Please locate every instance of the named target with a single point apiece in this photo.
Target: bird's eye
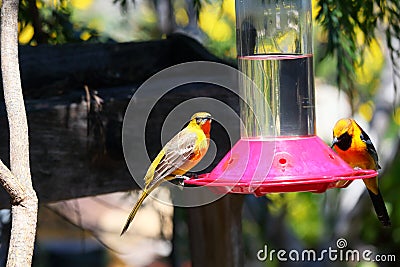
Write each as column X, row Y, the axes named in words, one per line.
column 198, row 120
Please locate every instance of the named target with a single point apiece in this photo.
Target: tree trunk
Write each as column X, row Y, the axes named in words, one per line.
column 165, row 16
column 24, row 208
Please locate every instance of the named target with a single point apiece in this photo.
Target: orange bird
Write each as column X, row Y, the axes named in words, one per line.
column 178, row 156
column 355, row 147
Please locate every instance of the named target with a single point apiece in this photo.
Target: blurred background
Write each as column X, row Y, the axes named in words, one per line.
column 85, row 231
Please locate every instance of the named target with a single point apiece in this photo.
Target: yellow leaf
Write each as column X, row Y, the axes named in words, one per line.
column 366, row 110
column 372, row 63
column 26, row 34
column 85, row 36
column 397, row 116
column 215, row 27
column 181, row 17
column 228, row 7
column 81, row 4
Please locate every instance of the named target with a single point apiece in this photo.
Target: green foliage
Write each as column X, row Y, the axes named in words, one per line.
column 52, row 24
column 343, row 20
column 301, row 212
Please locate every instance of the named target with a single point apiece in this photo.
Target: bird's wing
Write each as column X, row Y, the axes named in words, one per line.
column 176, row 152
column 370, row 147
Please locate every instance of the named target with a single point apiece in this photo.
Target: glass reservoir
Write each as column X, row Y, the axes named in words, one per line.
column 274, row 43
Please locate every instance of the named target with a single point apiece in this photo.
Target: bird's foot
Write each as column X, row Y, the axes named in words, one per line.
column 192, row 175
column 180, row 179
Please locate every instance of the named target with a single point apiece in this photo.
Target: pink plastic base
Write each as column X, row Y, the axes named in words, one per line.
column 283, row 164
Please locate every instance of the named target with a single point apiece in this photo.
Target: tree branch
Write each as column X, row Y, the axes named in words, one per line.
column 24, row 214
column 13, row 187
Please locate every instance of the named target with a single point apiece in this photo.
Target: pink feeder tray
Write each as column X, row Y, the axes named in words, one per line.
column 282, row 164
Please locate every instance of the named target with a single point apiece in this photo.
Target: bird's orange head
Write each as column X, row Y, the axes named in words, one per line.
column 203, row 120
column 343, row 133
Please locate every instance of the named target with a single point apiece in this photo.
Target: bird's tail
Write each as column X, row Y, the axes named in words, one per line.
column 380, row 208
column 134, row 211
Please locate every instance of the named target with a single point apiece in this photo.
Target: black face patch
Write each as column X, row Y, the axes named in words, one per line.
column 344, row 141
column 202, row 120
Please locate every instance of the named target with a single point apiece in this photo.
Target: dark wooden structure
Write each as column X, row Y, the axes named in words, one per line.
column 76, row 149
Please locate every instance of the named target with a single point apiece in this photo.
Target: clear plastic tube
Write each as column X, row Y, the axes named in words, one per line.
column 274, row 44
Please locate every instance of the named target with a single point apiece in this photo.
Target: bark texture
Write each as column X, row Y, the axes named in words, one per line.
column 24, row 208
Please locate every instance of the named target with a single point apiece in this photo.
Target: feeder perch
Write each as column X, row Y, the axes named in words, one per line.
column 279, row 150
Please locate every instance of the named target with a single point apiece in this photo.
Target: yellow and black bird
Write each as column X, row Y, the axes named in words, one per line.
column 178, row 156
column 355, row 147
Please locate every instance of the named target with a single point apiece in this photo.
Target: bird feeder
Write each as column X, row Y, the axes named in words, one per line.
column 279, row 150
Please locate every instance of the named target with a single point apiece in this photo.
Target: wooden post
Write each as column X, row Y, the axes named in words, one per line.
column 54, row 94
column 215, row 232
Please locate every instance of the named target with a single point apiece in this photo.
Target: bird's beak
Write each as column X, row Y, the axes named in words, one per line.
column 334, row 141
